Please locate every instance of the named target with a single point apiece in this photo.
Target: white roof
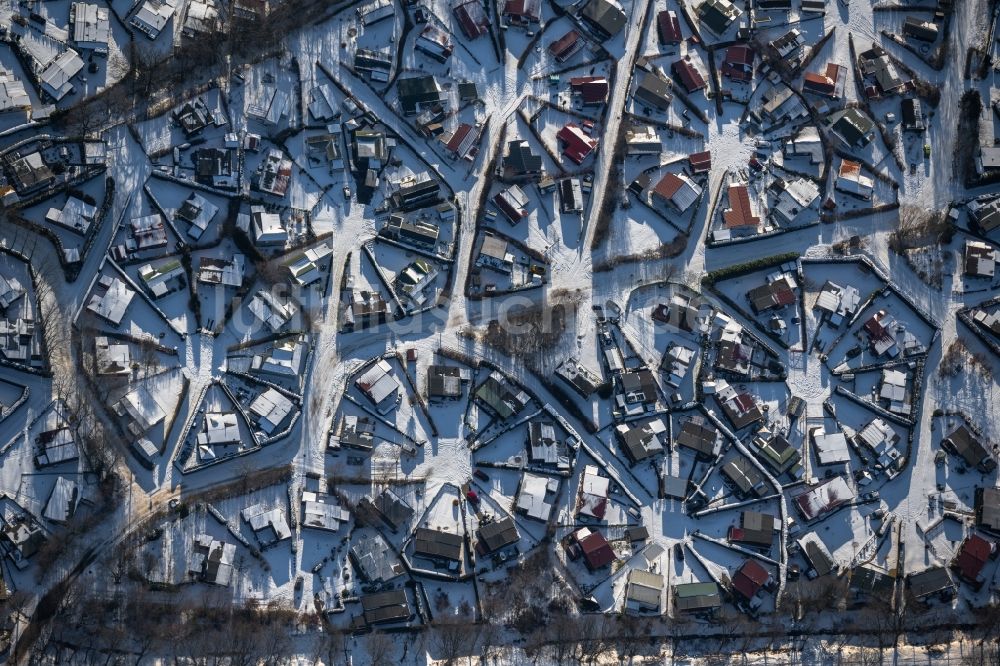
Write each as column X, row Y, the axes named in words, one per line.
column 153, row 16
column 75, row 215
column 91, row 25
column 531, row 497
column 112, row 358
column 878, row 435
column 222, row 271
column 204, row 211
column 378, row 382
column 10, row 290
column 62, row 502
column 268, row 309
column 140, row 404
column 893, row 385
column 322, row 511
column 55, row 78
column 824, row 497
column 113, row 303
column 12, row 93
column 267, row 228
column 831, row 447
column 261, row 518
column 272, row 408
column 220, row 428
column 285, row 358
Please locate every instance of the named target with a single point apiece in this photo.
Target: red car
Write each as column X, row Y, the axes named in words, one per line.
column 472, row 496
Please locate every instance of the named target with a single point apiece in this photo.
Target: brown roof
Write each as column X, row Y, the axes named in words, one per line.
column 689, row 76
column 700, row 161
column 740, row 213
column 668, row 186
column 669, row 27
column 564, row 44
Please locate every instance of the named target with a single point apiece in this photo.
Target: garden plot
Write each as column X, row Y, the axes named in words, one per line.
column 540, row 62
column 266, row 102
column 19, row 303
column 116, row 303
column 221, row 275
column 820, row 329
column 72, row 216
column 646, row 231
column 415, row 279
column 897, row 333
column 503, row 265
column 216, row 432
column 452, row 602
column 165, row 281
column 199, row 216
column 160, row 134
column 771, row 300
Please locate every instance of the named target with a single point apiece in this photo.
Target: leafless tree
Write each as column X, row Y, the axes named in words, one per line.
column 455, row 639
column 380, row 649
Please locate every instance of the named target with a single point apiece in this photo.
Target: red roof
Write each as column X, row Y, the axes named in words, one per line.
column 738, row 64
column 700, row 162
column 972, row 557
column 668, row 185
column 749, row 578
column 576, row 144
column 689, row 76
column 472, row 18
column 669, row 27
column 874, row 327
column 740, row 213
column 565, row 46
column 783, row 295
column 513, row 214
column 743, row 400
column 592, row 89
column 455, row 144
column 596, row 550
column 523, row 10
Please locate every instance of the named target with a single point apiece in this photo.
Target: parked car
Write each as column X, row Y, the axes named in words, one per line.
column 472, row 496
column 481, row 475
column 870, row 496
column 679, row 551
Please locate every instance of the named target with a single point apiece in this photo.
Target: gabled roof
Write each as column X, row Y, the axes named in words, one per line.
column 972, row 557
column 596, row 550
column 577, row 146
column 566, row 46
column 689, row 75
column 498, row 534
column 738, row 63
column 436, row 544
column 740, row 213
column 668, row 27
column 700, row 162
column 523, row 10
column 592, row 89
column 605, row 16
column 472, row 18
column 749, row 578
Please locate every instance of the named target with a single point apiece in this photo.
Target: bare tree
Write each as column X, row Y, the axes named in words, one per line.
column 455, row 639
column 380, row 649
